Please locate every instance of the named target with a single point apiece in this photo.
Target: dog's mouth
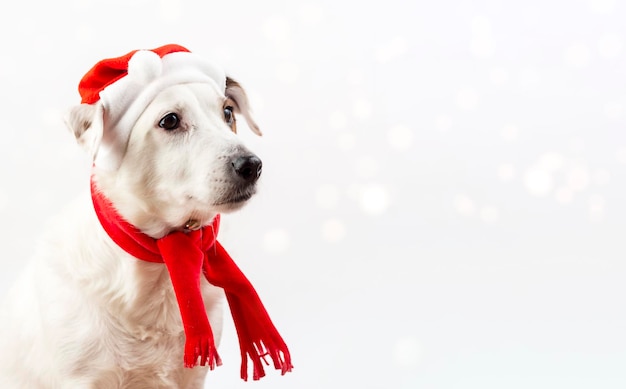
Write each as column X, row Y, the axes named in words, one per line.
column 232, row 201
column 236, row 198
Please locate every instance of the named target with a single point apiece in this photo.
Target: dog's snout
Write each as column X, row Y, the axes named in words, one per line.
column 248, row 167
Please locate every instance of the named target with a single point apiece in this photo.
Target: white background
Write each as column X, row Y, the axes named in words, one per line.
column 442, row 202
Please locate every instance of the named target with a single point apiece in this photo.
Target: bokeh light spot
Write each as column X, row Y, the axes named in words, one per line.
column 551, row 161
column 333, row 230
column 578, row 178
column 4, row 201
column 407, row 352
column 614, row 109
column 367, row 167
column 620, row 155
column 355, row 76
column 400, row 137
column 276, row 241
column 346, row 141
column 506, row 172
column 489, row 214
column 392, row 50
column 464, row 205
column 374, row 199
column 538, row 181
column 564, row 195
column 610, row 46
column 362, row 109
column 577, row 145
column 338, row 120
column 602, row 6
column 499, row 76
column 327, row 196
column 467, row 99
column 509, row 132
column 443, row 122
column 577, row 55
column 482, row 44
column 596, row 206
column 277, row 29
column 311, row 13
column 287, row 72
column 170, row 11
column 601, row 177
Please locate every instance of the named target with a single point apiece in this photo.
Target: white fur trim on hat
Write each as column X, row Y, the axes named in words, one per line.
column 144, row 66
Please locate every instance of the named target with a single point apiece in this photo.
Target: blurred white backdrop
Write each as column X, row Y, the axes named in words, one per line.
column 442, row 201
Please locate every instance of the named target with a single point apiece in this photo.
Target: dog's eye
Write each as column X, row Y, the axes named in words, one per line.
column 228, row 115
column 169, row 122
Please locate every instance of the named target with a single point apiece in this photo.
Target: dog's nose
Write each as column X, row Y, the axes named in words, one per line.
column 248, row 167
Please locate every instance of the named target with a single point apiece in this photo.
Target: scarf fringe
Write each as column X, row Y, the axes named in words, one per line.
column 256, row 353
column 203, row 348
column 258, row 341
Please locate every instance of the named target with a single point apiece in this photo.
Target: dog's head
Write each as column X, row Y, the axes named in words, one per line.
column 163, row 138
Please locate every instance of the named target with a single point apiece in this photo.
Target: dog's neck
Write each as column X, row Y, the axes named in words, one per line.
column 138, row 212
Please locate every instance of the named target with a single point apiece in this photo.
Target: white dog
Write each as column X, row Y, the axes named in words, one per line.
column 86, row 313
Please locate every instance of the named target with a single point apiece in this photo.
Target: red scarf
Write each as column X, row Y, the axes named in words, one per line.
column 187, row 255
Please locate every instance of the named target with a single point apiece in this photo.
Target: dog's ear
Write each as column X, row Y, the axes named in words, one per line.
column 235, row 92
column 86, row 121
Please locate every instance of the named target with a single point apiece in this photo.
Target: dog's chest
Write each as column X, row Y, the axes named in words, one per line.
column 145, row 336
column 150, row 309
column 146, row 312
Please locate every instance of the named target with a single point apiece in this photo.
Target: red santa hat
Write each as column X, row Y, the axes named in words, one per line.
column 126, row 85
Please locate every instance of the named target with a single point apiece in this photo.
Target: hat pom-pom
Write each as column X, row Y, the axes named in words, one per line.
column 144, row 66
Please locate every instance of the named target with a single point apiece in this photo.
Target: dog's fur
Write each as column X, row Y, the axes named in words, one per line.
column 85, row 314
